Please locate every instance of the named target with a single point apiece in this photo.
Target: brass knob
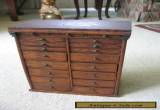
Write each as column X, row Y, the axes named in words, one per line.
column 50, row 73
column 95, row 75
column 94, row 67
column 95, row 58
column 46, row 65
column 95, row 46
column 42, row 43
column 43, row 39
column 50, row 80
column 94, row 41
column 44, row 49
column 95, row 83
column 95, row 50
column 104, row 36
column 45, row 55
column 52, row 87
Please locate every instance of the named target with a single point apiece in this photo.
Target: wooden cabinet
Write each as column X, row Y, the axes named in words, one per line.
column 67, row 56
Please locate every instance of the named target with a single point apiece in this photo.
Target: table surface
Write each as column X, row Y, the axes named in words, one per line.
column 121, row 25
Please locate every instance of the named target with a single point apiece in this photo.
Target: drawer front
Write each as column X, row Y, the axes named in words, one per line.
column 94, row 75
column 94, row 67
column 38, row 37
column 49, row 73
column 95, row 43
column 95, row 51
column 50, row 87
column 52, row 83
column 53, row 56
column 47, row 65
column 42, row 41
column 93, row 83
column 43, row 49
column 93, row 90
column 94, row 58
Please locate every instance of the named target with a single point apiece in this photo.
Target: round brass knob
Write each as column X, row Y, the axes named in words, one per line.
column 45, row 55
column 42, row 39
column 95, row 75
column 44, row 49
column 94, row 67
column 46, row 65
column 50, row 80
column 95, row 46
column 94, row 41
column 95, row 83
column 95, row 50
column 42, row 43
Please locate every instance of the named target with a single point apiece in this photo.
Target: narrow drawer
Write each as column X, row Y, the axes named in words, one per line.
column 92, row 50
column 36, row 55
column 93, row 83
column 30, row 37
column 50, row 80
column 93, row 90
column 94, row 67
column 96, row 58
column 49, row 73
column 96, row 40
column 51, row 87
column 94, row 45
column 94, row 75
column 43, row 49
column 47, row 65
column 43, row 43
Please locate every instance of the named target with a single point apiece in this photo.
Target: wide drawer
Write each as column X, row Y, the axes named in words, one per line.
column 94, row 75
column 93, row 83
column 96, row 58
column 93, row 90
column 47, row 65
column 49, row 73
column 43, row 49
column 94, row 67
column 53, row 56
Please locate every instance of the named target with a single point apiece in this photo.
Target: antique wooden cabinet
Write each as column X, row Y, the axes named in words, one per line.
column 69, row 56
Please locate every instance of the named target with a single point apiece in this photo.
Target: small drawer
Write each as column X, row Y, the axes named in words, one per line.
column 36, row 37
column 93, row 83
column 47, row 65
column 44, row 44
column 50, row 81
column 116, row 51
column 93, row 90
column 42, row 49
column 96, row 40
column 94, row 67
column 49, row 73
column 95, row 58
column 51, row 87
column 95, row 45
column 94, row 75
column 53, row 56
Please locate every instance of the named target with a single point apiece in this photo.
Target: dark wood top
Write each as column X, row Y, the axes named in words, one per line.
column 74, row 25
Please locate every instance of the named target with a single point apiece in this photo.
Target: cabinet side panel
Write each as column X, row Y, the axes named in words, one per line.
column 22, row 60
column 120, row 66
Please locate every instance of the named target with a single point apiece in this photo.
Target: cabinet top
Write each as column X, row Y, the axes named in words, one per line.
column 72, row 25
